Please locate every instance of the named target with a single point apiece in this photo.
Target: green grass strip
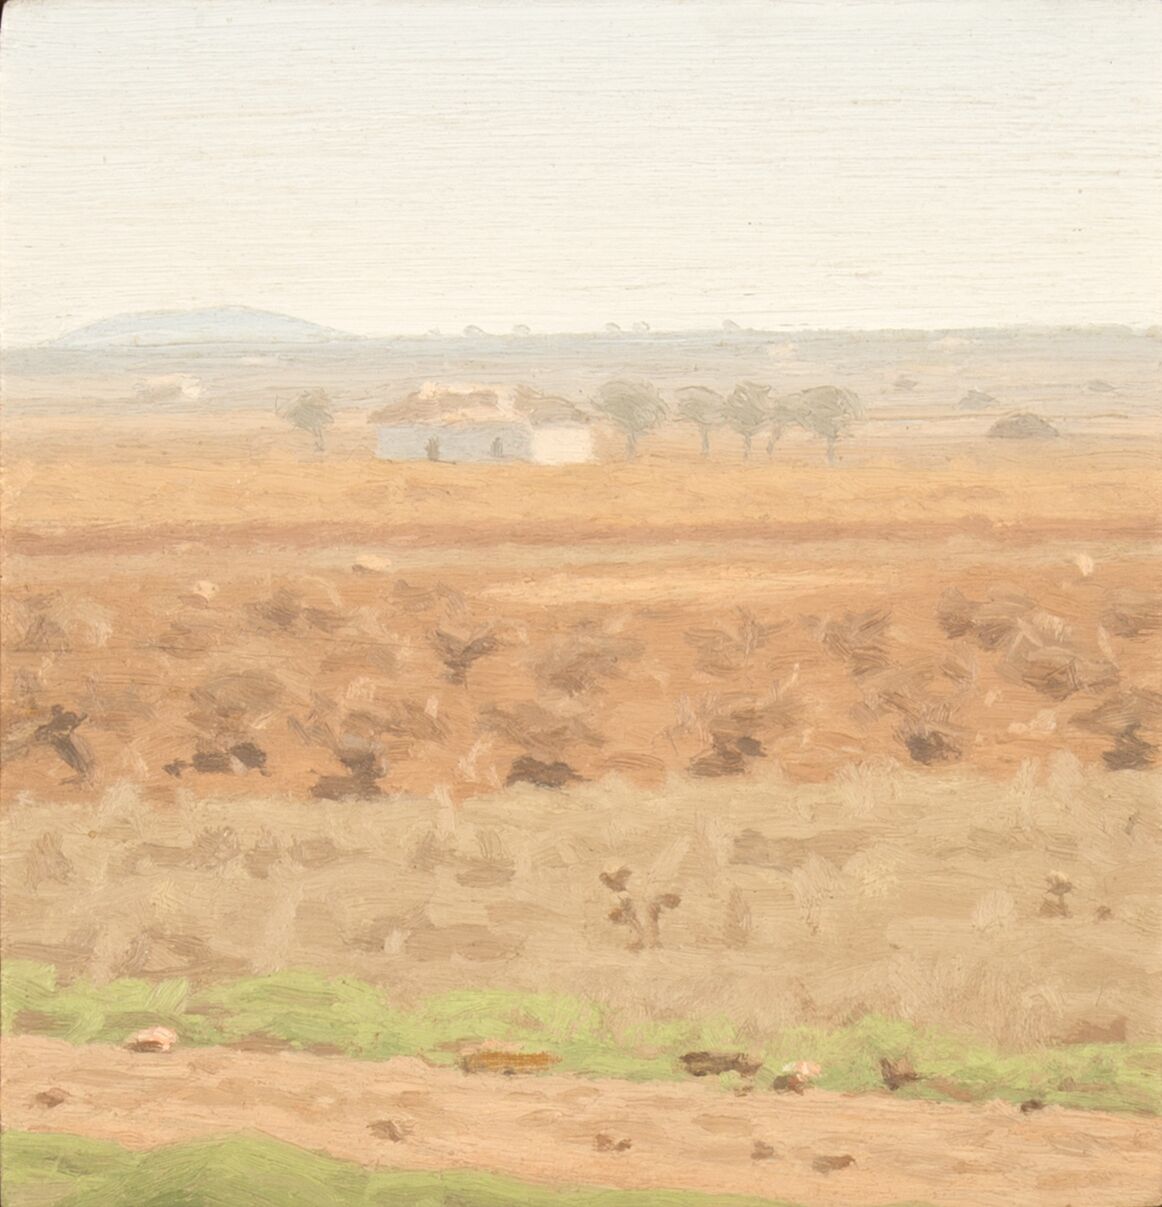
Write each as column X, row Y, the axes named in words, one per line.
column 339, row 1014
column 55, row 1170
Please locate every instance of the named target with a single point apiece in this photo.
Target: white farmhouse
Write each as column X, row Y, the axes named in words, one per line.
column 481, row 424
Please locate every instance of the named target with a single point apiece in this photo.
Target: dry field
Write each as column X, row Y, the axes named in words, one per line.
column 915, row 895
column 192, row 595
column 872, row 739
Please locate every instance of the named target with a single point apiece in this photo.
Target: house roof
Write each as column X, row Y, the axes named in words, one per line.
column 457, row 406
column 435, row 405
column 546, row 408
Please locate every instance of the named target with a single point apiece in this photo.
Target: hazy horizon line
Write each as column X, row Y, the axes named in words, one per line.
column 726, row 327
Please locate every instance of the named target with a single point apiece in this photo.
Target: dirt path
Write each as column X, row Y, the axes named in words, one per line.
column 685, row 1135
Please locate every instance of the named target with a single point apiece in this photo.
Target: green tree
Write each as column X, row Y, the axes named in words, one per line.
column 311, row 412
column 825, row 411
column 702, row 407
column 747, row 411
column 635, row 406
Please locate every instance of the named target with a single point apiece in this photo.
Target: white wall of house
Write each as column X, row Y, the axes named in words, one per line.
column 454, row 443
column 563, row 444
column 551, row 444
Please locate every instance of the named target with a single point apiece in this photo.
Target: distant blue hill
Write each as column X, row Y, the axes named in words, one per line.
column 214, row 325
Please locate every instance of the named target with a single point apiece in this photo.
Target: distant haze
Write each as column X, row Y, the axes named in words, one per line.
column 218, row 325
column 384, row 167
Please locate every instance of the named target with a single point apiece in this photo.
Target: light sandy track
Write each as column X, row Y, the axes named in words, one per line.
column 686, row 1135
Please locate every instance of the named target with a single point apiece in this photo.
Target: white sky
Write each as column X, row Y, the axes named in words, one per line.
column 390, row 167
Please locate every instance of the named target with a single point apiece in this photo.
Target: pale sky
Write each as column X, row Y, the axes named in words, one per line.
column 391, row 167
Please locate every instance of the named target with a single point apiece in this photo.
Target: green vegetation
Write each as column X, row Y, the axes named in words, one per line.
column 66, row 1171
column 307, row 1011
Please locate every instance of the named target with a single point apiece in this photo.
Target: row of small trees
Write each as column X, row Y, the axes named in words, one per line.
column 749, row 410
column 637, row 407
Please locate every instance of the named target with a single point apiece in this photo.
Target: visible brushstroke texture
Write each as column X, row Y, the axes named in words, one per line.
column 1024, row 426
column 544, row 1130
column 312, row 412
column 231, row 1171
column 711, row 1064
column 887, row 862
column 298, row 1011
column 634, row 406
column 840, row 165
column 462, row 757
